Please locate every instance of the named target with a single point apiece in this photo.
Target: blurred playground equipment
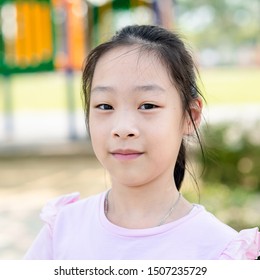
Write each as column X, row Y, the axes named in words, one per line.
column 40, row 35
column 52, row 35
column 26, row 37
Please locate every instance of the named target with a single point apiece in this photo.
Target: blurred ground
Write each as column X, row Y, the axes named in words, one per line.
column 27, row 183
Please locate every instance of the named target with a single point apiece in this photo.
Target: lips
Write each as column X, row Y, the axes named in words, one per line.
column 126, row 154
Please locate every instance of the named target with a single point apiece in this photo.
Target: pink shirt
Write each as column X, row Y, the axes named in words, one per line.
column 79, row 230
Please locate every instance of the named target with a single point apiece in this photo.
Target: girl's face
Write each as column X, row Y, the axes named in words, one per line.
column 136, row 120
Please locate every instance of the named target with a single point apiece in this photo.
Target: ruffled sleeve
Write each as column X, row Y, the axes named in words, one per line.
column 246, row 246
column 42, row 247
column 53, row 207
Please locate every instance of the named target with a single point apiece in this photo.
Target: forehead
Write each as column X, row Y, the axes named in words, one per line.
column 131, row 62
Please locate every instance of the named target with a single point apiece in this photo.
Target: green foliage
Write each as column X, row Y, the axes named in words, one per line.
column 232, row 155
column 236, row 207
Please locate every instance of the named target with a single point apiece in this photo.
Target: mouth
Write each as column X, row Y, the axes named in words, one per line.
column 126, row 154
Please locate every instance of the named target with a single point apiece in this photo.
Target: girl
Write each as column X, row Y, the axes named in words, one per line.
column 141, row 101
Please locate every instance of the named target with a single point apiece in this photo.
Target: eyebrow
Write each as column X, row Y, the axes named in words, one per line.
column 149, row 87
column 140, row 88
column 102, row 89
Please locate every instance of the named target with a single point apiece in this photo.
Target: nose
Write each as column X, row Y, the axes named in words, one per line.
column 125, row 126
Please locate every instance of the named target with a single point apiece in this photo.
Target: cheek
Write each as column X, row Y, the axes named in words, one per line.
column 95, row 124
column 171, row 124
column 168, row 137
column 95, row 131
column 98, row 145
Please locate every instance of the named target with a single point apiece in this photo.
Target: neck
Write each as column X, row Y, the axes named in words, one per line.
column 143, row 206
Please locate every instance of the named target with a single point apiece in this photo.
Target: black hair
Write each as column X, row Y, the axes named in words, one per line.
column 172, row 52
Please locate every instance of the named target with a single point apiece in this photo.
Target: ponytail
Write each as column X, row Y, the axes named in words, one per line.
column 179, row 169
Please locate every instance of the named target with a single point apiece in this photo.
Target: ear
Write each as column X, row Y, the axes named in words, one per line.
column 196, row 111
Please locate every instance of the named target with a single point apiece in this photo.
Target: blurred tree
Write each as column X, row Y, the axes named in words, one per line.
column 223, row 22
column 232, row 155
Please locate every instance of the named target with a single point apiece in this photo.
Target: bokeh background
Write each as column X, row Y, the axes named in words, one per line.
column 44, row 148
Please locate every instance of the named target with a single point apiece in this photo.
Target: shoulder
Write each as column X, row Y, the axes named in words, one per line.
column 205, row 223
column 226, row 242
column 54, row 206
column 69, row 204
column 245, row 246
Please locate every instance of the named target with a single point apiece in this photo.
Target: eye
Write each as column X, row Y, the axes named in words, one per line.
column 104, row 107
column 148, row 106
